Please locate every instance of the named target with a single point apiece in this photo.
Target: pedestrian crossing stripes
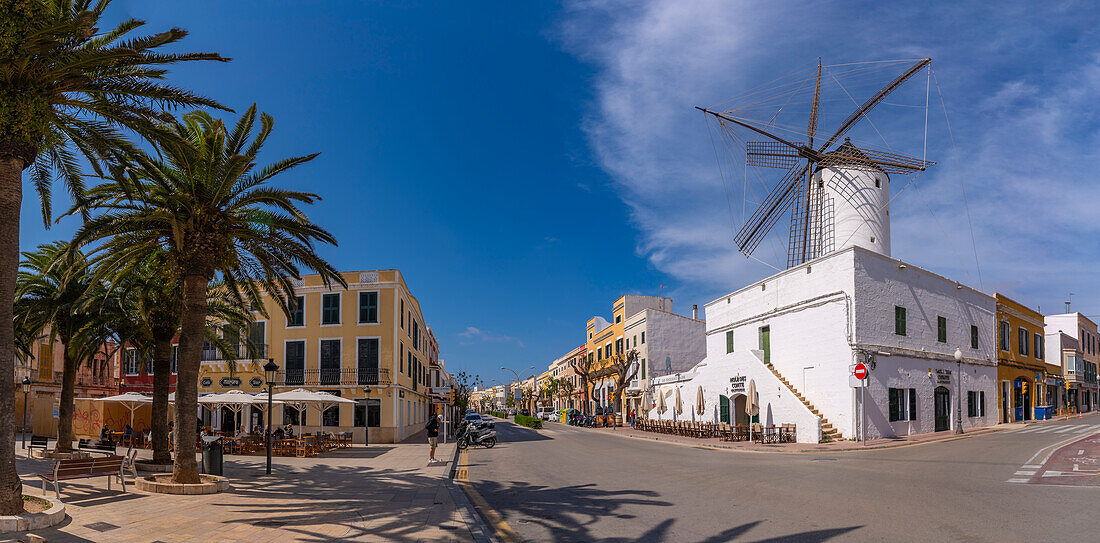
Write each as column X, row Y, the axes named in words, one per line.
column 1067, row 429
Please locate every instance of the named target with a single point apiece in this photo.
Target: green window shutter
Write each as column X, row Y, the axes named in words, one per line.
column 941, row 329
column 899, row 320
column 894, row 405
column 643, row 337
column 912, row 404
column 643, row 368
column 723, row 409
column 729, row 341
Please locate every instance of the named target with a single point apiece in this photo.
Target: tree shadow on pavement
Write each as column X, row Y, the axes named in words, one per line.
column 573, row 513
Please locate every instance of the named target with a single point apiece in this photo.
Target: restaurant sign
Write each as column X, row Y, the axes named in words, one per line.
column 206, row 381
column 737, row 384
column 943, row 376
column 231, row 381
column 255, row 382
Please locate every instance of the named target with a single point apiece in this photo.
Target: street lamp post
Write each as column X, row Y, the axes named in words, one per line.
column 269, row 374
column 958, row 386
column 26, row 390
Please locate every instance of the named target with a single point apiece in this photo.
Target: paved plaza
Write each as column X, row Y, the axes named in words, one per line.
column 383, row 492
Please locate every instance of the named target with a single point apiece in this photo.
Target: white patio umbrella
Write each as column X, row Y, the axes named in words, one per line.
column 677, row 403
column 700, row 402
column 661, row 408
column 261, row 404
column 328, row 400
column 301, row 398
column 130, row 400
column 235, row 400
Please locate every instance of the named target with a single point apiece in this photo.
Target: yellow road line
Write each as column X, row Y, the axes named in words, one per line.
column 462, row 479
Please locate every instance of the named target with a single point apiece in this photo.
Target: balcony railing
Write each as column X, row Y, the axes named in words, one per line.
column 334, row 376
column 82, row 379
column 212, row 354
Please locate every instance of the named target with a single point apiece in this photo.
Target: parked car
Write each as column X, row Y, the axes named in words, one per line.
column 544, row 412
column 473, row 418
column 525, row 412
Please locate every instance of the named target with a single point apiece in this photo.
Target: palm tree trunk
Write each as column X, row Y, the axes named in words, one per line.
column 65, row 408
column 192, row 326
column 11, row 197
column 162, row 360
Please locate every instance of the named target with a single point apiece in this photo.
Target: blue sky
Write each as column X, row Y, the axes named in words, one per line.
column 524, row 164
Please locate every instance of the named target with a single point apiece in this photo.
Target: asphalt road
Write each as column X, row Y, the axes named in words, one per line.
column 571, row 484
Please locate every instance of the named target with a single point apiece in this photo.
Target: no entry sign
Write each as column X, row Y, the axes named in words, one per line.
column 860, row 372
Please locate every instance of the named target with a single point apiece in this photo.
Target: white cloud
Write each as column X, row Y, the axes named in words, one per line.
column 474, row 333
column 1021, row 113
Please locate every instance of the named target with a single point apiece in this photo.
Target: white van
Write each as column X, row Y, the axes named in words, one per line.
column 544, row 413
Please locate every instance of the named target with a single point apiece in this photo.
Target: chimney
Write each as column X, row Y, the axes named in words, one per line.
column 695, row 311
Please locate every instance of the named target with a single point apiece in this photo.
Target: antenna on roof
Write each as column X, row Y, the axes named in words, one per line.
column 1067, row 302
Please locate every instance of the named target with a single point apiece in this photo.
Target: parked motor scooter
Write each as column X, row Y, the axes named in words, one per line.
column 482, row 434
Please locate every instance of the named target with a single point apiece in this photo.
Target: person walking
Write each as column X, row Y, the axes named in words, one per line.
column 632, row 415
column 433, row 437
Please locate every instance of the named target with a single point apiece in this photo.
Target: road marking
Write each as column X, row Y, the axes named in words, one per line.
column 1025, row 472
column 502, row 528
column 1031, row 466
column 1018, row 480
column 1067, row 429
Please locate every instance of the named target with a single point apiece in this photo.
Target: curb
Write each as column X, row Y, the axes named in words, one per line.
column 474, row 517
column 714, row 447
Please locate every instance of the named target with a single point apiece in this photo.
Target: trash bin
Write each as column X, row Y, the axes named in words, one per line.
column 212, row 455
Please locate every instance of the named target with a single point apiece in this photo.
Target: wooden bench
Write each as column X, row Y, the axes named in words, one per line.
column 38, row 442
column 84, row 468
column 107, row 448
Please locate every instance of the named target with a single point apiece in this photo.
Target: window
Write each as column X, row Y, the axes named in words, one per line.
column 903, row 404
column 1039, row 347
column 130, row 363
column 635, row 341
column 1023, row 340
column 607, row 351
column 402, row 312
column 975, row 403
column 290, row 416
column 294, row 372
column 973, row 337
column 330, row 362
column 297, row 316
column 401, row 358
column 643, row 337
column 618, row 319
column 368, row 307
column 331, row 416
column 899, row 320
column 1005, row 346
column 643, row 369
column 729, row 341
column 941, row 329
column 367, row 361
column 330, row 309
column 619, row 346
column 257, row 336
column 415, row 333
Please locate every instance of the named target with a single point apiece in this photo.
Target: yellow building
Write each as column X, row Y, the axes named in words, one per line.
column 1021, row 362
column 605, row 341
column 368, row 342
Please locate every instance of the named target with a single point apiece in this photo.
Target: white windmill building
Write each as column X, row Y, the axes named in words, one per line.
column 927, row 340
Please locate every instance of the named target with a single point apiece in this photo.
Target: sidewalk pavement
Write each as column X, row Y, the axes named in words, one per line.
column 834, row 446
column 383, row 492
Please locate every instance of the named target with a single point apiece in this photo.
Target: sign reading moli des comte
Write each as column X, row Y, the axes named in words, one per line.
column 737, row 384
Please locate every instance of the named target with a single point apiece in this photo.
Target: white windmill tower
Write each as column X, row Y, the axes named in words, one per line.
column 838, row 198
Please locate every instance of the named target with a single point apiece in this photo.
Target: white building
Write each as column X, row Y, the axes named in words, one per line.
column 676, row 343
column 797, row 333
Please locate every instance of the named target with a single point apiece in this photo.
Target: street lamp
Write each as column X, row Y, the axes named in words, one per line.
column 26, row 390
column 958, row 387
column 269, row 375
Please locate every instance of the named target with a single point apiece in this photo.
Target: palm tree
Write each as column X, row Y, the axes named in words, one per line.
column 66, row 88
column 209, row 206
column 150, row 295
column 57, row 289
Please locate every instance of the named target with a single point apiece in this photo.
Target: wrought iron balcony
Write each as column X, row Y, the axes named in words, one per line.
column 210, row 354
column 334, row 377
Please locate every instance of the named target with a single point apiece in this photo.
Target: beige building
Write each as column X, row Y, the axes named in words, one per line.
column 369, row 342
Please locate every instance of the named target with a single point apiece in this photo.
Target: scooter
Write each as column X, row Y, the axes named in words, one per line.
column 481, row 434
